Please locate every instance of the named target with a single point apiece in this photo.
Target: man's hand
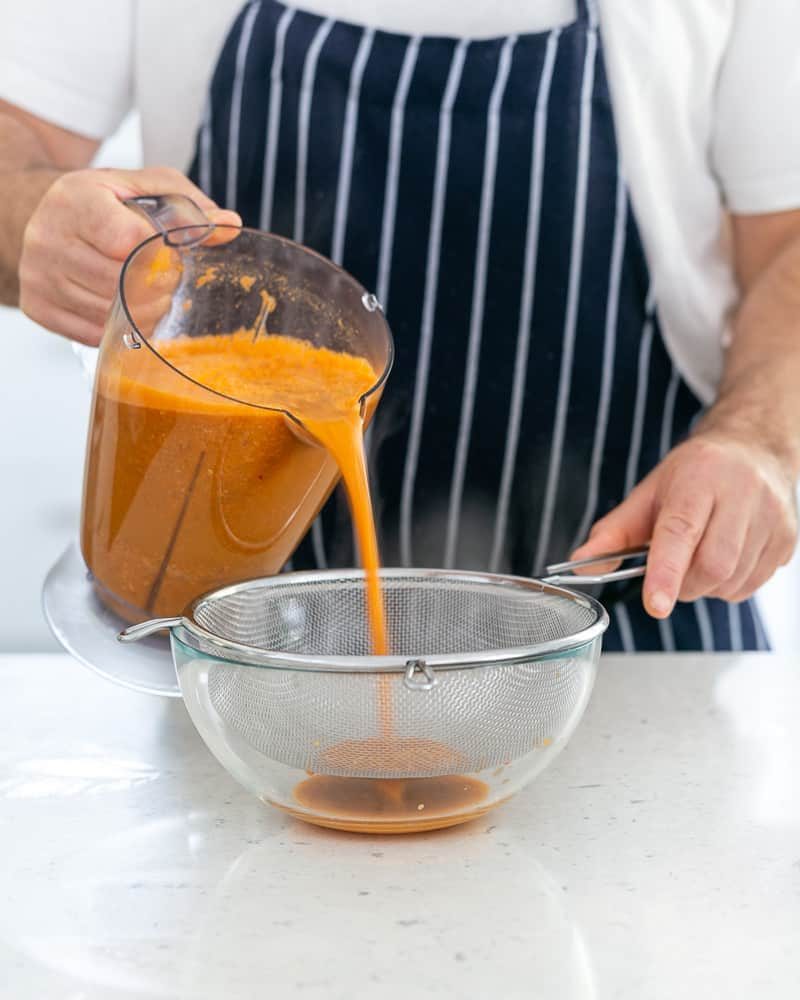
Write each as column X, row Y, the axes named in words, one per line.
column 721, row 508
column 721, row 515
column 65, row 230
column 78, row 237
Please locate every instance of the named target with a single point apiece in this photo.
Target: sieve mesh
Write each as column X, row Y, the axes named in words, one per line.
column 370, row 724
column 325, row 615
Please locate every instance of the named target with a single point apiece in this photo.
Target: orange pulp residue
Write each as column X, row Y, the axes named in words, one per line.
column 210, row 274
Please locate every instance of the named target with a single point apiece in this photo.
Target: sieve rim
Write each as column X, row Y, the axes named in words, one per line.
column 191, row 631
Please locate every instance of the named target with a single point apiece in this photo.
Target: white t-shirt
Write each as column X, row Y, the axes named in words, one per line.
column 706, row 96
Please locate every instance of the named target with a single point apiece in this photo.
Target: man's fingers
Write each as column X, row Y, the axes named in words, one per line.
column 66, row 323
column 168, row 180
column 720, row 519
column 765, row 567
column 85, row 303
column 721, row 550
column 110, row 227
column 80, row 233
column 113, row 229
column 777, row 551
column 678, row 529
column 755, row 544
column 90, row 269
column 153, row 180
column 228, row 223
column 225, row 217
column 628, row 524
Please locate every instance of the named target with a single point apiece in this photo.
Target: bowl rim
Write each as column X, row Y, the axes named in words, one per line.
column 189, row 632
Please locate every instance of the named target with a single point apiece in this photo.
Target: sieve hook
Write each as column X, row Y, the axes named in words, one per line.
column 419, row 676
column 561, row 573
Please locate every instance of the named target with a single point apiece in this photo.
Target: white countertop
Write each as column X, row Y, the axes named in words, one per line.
column 659, row 857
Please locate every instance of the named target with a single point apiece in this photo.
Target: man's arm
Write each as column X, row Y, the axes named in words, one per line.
column 33, row 153
column 720, row 510
column 66, row 231
column 759, row 395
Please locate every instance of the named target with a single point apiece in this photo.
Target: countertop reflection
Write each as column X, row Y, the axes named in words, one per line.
column 659, row 856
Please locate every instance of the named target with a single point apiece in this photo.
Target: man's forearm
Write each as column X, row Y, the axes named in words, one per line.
column 759, row 395
column 26, row 172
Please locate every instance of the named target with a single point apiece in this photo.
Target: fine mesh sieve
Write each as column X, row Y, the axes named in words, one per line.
column 484, row 669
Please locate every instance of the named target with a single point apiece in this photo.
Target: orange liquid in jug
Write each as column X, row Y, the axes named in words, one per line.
column 188, row 490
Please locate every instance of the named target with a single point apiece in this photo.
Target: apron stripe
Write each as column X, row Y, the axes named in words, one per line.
column 393, row 170
column 389, row 213
column 348, row 144
column 304, row 120
column 274, row 119
column 664, row 624
column 667, row 635
column 704, row 624
column 346, row 170
column 573, row 294
column 640, row 406
column 526, row 305
column 478, row 299
column 204, row 151
column 735, row 626
column 429, row 300
column 623, row 620
column 669, row 413
column 591, row 11
column 242, row 50
column 609, row 347
column 762, row 643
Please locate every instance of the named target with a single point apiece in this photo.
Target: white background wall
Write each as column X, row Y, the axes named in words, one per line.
column 44, row 404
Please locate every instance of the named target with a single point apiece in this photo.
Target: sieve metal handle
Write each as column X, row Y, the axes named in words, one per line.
column 133, row 633
column 561, row 573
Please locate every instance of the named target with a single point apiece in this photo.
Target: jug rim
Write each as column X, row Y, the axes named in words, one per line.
column 366, row 296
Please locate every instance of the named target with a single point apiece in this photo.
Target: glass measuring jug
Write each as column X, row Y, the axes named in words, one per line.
column 188, row 488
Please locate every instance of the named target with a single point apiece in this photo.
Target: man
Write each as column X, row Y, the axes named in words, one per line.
column 559, row 336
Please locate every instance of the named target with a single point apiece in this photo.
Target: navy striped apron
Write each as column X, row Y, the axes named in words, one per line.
column 476, row 187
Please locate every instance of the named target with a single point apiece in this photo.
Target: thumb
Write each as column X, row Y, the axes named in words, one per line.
column 630, row 523
column 228, row 224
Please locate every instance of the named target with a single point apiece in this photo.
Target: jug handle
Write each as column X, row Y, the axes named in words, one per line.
column 180, row 220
